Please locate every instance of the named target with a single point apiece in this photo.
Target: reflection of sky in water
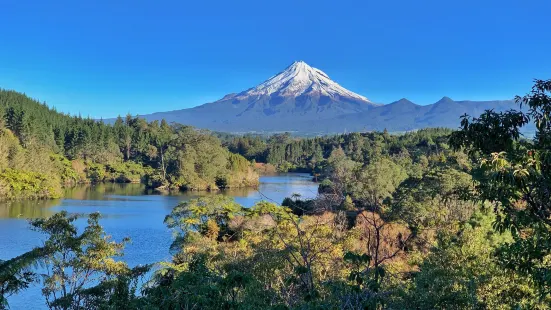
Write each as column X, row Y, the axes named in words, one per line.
column 128, row 210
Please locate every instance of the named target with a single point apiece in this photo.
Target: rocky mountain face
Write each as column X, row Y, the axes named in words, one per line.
column 304, row 99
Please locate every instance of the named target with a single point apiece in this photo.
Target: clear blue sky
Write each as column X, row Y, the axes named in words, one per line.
column 105, row 57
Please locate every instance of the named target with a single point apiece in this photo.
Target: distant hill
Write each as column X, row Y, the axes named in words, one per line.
column 404, row 115
column 305, row 100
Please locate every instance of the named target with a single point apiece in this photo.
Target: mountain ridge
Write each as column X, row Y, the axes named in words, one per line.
column 304, row 99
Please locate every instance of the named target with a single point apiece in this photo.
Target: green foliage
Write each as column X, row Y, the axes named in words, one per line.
column 37, row 141
column 462, row 271
column 77, row 270
column 65, row 169
column 16, row 274
column 197, row 161
column 128, row 172
column 76, row 262
column 514, row 175
column 26, row 173
column 16, row 184
column 310, row 154
column 377, row 181
column 228, row 255
column 298, row 206
column 437, row 199
column 400, row 222
column 206, row 216
column 125, row 172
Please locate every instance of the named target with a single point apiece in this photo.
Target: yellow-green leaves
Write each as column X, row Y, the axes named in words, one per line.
column 77, row 262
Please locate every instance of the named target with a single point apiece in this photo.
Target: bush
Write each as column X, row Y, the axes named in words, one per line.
column 17, row 184
column 127, row 172
column 95, row 173
column 64, row 166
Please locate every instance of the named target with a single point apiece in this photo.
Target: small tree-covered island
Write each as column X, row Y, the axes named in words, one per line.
column 428, row 219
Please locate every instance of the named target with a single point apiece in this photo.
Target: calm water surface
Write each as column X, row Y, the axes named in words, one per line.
column 128, row 211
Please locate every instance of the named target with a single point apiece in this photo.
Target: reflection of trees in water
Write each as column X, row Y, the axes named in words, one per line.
column 233, row 192
column 42, row 208
column 27, row 208
column 98, row 191
column 239, row 192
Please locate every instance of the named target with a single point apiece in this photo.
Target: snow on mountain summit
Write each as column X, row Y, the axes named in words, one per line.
column 301, row 79
column 303, row 99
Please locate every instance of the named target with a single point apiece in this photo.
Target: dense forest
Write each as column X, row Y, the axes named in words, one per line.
column 433, row 219
column 287, row 153
column 42, row 150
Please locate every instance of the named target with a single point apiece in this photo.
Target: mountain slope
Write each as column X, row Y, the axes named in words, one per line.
column 300, row 79
column 299, row 93
column 404, row 115
column 304, row 99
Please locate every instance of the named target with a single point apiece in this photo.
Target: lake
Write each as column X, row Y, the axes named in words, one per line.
column 128, row 210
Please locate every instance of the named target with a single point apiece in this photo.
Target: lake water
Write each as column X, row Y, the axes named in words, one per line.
column 128, row 210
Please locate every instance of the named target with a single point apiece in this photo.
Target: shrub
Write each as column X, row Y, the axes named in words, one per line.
column 17, row 184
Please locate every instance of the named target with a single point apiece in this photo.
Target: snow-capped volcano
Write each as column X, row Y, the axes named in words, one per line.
column 297, row 90
column 299, row 93
column 305, row 100
column 300, row 79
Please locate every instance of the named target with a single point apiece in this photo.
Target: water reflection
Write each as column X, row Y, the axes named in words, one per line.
column 27, row 209
column 99, row 191
column 128, row 210
column 103, row 197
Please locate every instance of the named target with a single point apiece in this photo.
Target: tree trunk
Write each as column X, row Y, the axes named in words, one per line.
column 163, row 164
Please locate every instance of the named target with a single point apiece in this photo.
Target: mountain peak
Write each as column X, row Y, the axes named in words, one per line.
column 304, row 99
column 445, row 99
column 298, row 63
column 301, row 79
column 299, row 70
column 403, row 101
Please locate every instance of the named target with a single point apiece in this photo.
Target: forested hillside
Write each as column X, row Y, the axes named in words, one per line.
column 286, row 153
column 42, row 150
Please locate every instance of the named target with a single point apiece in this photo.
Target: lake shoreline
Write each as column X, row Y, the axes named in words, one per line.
column 128, row 210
